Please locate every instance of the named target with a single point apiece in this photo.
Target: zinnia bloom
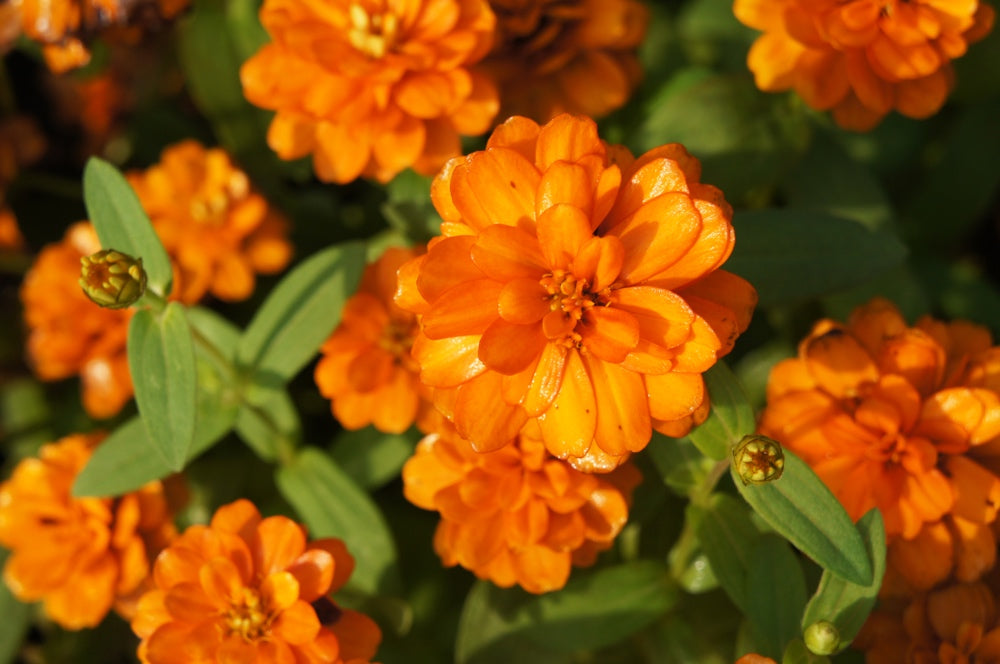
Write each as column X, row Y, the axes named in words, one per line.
column 371, row 87
column 577, row 287
column 955, row 623
column 554, row 56
column 905, row 419
column 78, row 556
column 366, row 369
column 218, row 233
column 64, row 28
column 862, row 58
column 516, row 515
column 247, row 589
column 218, row 230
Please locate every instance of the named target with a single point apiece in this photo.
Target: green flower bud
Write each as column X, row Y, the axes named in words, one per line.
column 112, row 279
column 758, row 459
column 822, row 638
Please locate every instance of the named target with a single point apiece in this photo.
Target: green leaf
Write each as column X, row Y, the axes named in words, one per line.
column 16, row 620
column 775, row 595
column 798, row 653
column 122, row 224
column 689, row 564
column 727, row 536
column 332, row 505
column 126, row 460
column 681, row 465
column 799, row 506
column 731, row 416
column 846, row 604
column 824, row 253
column 300, row 313
column 162, row 363
column 268, row 415
column 593, row 610
column 371, row 457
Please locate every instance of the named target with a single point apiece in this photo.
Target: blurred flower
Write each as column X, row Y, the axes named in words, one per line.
column 247, row 589
column 516, row 515
column 21, row 143
column 65, row 28
column 754, row 658
column 67, row 333
column 366, row 369
column 862, row 58
column 577, row 287
column 78, row 556
column 371, row 87
column 575, row 56
column 218, row 231
column 906, row 419
column 11, row 239
column 951, row 624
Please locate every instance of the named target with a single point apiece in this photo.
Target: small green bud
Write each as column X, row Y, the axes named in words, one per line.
column 822, row 638
column 758, row 459
column 112, row 279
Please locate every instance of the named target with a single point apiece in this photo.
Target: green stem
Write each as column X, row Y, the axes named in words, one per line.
column 701, row 493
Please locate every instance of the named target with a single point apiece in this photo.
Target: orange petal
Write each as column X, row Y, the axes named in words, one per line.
column 447, row 362
column 838, row 363
column 176, row 643
column 240, row 518
column 977, row 490
column 664, row 317
column 280, row 541
column 496, row 187
column 674, row 395
column 565, row 183
column 599, row 261
column 343, row 560
column 221, row 581
column 567, row 138
column 187, row 602
column 562, row 229
column 609, row 333
column 925, row 560
column 447, row 264
column 568, row 425
column 467, row 309
column 659, row 233
column 297, row 624
column 313, row 571
column 523, row 301
column 505, row 252
column 623, row 423
column 541, row 570
column 508, row 348
column 546, row 381
column 358, row 636
column 481, row 415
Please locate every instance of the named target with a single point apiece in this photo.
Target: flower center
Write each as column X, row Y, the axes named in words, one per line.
column 248, row 618
column 568, row 294
column 372, row 33
column 397, row 339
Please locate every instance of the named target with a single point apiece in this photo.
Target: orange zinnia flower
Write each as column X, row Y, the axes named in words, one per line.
column 906, row 419
column 516, row 515
column 217, row 231
column 366, row 369
column 954, row 623
column 862, row 58
column 575, row 286
column 556, row 56
column 247, row 589
column 78, row 556
column 371, row 87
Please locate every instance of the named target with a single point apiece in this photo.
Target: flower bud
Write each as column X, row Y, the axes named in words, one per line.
column 758, row 459
column 822, row 638
column 112, row 279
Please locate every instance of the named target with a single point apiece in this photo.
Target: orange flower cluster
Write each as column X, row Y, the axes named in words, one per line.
column 78, row 556
column 247, row 589
column 218, row 233
column 516, row 515
column 65, row 27
column 366, row 369
column 576, row 287
column 905, row 419
column 371, row 87
column 959, row 622
column 556, row 56
column 862, row 58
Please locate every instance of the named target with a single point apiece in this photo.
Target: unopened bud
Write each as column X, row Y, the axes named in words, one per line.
column 758, row 459
column 822, row 638
column 112, row 279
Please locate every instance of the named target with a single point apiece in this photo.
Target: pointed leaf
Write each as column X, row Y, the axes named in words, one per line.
column 16, row 620
column 162, row 363
column 776, row 595
column 332, row 505
column 727, row 536
column 122, row 224
column 799, row 506
column 846, row 604
column 300, row 313
column 371, row 457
